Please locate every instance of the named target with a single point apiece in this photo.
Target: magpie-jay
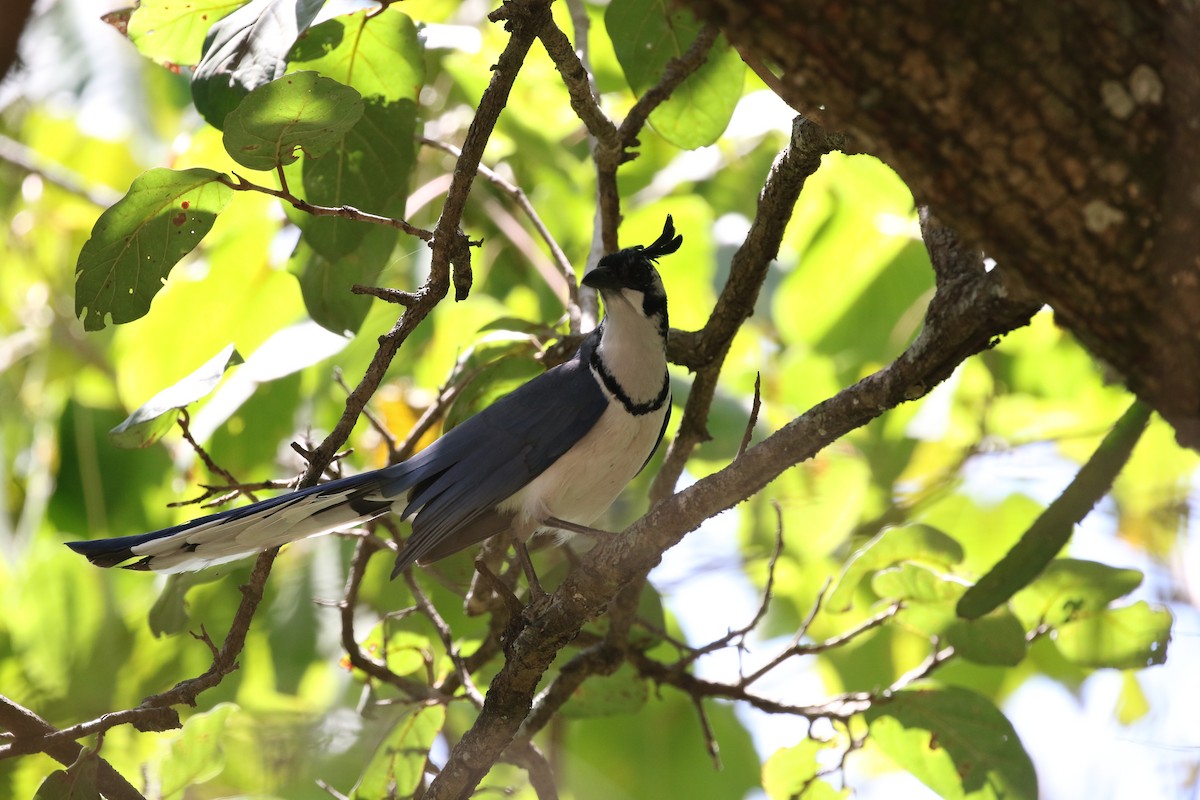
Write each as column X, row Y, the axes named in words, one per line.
column 551, row 455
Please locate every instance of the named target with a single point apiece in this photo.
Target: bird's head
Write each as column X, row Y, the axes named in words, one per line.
column 629, row 275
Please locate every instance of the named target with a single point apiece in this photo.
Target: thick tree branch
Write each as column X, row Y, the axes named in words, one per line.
column 1061, row 138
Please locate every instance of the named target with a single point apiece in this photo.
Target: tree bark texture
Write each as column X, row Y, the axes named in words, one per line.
column 1062, row 138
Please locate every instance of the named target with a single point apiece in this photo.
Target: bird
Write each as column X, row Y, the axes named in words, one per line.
column 552, row 455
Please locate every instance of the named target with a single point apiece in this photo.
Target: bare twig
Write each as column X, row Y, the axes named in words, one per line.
column 799, row 649
column 755, row 406
column 240, row 184
column 710, row 738
column 739, row 635
column 426, row 608
column 184, row 420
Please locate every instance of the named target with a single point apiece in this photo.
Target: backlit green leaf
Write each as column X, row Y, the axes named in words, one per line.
column 380, row 56
column 137, row 241
column 956, row 742
column 920, row 543
column 172, row 31
column 1132, row 637
column 1069, row 588
column 198, row 754
column 245, row 50
column 399, row 763
column 144, row 426
column 646, row 36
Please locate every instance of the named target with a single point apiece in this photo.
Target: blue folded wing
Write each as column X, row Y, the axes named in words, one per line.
column 494, row 454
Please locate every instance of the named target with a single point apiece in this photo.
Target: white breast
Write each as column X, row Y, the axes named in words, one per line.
column 582, row 484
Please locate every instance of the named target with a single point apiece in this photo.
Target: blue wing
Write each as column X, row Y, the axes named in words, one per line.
column 494, row 454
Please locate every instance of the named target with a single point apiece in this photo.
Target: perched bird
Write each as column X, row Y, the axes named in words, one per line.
column 551, row 455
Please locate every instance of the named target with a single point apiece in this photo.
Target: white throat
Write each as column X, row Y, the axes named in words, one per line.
column 632, row 347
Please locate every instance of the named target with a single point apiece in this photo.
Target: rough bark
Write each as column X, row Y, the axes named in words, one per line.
column 1061, row 138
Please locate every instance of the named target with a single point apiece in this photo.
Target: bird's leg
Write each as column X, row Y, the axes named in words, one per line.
column 573, row 527
column 537, row 595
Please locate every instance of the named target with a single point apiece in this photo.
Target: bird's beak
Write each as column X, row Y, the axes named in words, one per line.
column 602, row 277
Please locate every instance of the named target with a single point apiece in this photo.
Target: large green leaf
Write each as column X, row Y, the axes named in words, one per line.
column 380, row 56
column 197, row 755
column 956, row 742
column 76, row 782
column 300, row 111
column 154, row 417
column 791, row 772
column 172, row 31
column 919, row 542
column 623, row 692
column 399, row 763
column 1132, row 637
column 1070, row 588
column 245, row 50
column 137, row 241
column 325, row 283
column 645, row 36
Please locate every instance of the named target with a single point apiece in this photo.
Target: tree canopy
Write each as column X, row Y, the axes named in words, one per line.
column 301, row 241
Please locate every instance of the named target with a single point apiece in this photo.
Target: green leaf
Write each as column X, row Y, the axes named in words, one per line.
column 1069, row 588
column 399, row 763
column 300, row 111
column 645, row 37
column 137, row 241
column 325, row 283
column 76, row 782
column 996, row 638
column 791, row 770
column 172, row 31
column 245, row 50
column 404, row 652
column 909, row 581
column 956, row 742
column 196, row 755
column 168, row 616
column 381, row 57
column 1132, row 637
column 1049, row 533
column 918, row 542
column 144, row 426
column 623, row 692
column 1132, row 704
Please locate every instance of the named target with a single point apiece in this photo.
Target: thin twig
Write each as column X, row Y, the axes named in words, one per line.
column 240, row 184
column 755, row 406
column 763, row 605
column 184, row 420
column 447, row 638
column 710, row 738
column 832, row 643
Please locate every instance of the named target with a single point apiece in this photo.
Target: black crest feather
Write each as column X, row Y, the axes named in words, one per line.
column 665, row 244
